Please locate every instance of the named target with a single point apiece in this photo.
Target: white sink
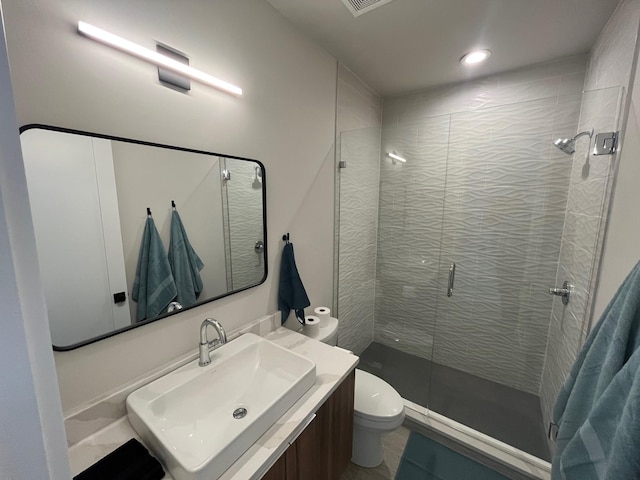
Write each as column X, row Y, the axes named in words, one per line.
column 187, row 416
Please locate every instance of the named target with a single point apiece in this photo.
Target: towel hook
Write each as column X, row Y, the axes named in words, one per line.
column 285, row 238
column 148, row 212
column 173, row 204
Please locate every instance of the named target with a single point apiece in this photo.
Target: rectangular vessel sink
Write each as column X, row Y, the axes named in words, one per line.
column 200, row 420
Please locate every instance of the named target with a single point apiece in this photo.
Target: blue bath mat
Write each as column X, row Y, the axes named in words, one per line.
column 425, row 459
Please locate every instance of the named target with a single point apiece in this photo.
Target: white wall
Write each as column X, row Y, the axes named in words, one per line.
column 285, row 119
column 32, row 442
column 72, row 192
column 612, row 64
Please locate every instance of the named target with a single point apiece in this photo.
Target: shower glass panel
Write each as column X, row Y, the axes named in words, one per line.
column 411, row 202
column 587, row 205
column 504, row 222
column 357, row 188
column 487, row 191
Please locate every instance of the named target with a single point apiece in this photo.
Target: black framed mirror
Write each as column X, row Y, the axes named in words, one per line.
column 129, row 232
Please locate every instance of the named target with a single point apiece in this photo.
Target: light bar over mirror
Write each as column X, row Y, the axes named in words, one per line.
column 155, row 58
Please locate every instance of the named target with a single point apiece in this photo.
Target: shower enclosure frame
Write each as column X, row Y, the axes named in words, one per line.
column 610, row 109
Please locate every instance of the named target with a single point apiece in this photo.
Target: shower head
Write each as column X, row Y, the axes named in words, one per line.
column 568, row 145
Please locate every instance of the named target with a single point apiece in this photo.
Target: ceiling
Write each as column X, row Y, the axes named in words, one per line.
column 408, row 45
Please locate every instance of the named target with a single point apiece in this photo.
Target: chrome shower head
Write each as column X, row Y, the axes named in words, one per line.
column 568, row 145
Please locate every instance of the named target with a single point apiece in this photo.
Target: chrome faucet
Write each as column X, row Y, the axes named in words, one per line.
column 205, row 345
column 173, row 306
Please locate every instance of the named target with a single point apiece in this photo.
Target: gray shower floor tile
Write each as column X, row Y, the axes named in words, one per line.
column 504, row 413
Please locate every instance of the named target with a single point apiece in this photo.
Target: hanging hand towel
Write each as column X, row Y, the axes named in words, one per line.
column 153, row 287
column 185, row 264
column 291, row 294
column 597, row 408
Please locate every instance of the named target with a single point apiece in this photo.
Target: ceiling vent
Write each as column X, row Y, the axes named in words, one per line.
column 359, row 7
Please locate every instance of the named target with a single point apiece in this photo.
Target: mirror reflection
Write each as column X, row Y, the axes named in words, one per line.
column 128, row 232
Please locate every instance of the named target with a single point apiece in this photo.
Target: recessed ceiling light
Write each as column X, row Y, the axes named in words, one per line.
column 474, row 57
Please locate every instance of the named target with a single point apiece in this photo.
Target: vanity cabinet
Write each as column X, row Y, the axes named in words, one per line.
column 323, row 449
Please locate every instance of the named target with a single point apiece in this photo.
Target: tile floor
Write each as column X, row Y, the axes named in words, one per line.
column 504, row 413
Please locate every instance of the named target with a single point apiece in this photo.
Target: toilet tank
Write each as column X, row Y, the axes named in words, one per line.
column 327, row 333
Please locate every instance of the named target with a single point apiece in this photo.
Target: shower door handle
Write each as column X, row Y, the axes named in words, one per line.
column 452, row 278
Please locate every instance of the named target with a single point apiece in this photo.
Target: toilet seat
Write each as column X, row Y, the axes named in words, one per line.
column 377, row 404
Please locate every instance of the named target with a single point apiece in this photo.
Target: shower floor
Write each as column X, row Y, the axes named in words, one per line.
column 502, row 412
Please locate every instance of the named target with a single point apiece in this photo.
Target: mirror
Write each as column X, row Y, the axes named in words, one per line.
column 89, row 196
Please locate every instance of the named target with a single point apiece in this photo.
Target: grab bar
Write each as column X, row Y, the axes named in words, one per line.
column 452, row 278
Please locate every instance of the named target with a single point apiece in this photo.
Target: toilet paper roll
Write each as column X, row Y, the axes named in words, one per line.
column 323, row 313
column 311, row 325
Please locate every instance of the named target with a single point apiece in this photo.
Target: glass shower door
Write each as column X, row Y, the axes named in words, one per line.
column 397, row 243
column 505, row 199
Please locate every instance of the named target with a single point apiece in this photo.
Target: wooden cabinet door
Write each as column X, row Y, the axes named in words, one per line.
column 323, row 450
column 285, row 467
column 341, row 427
column 278, row 471
column 311, row 451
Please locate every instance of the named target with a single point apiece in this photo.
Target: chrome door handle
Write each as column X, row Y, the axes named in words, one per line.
column 452, row 278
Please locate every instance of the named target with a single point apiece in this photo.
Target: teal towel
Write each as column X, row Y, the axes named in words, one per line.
column 153, row 287
column 598, row 408
column 291, row 293
column 185, row 264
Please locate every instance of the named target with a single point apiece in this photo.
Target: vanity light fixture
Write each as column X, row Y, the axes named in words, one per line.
column 397, row 157
column 156, row 58
column 474, row 57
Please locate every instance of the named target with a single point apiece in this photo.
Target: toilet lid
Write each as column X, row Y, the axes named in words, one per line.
column 376, row 398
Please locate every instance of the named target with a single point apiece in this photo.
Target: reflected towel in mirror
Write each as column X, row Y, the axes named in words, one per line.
column 154, row 287
column 185, row 264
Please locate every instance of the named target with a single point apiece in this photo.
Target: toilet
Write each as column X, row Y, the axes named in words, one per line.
column 378, row 408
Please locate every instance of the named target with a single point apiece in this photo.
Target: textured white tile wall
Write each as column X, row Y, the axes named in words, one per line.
column 409, row 243
column 581, row 243
column 359, row 115
column 484, row 188
column 244, row 202
column 606, row 82
column 611, row 59
column 622, row 249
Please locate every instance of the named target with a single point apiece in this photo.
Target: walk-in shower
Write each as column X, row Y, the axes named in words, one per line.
column 481, row 189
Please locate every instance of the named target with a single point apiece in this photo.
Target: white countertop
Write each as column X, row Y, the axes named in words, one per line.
column 333, row 365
